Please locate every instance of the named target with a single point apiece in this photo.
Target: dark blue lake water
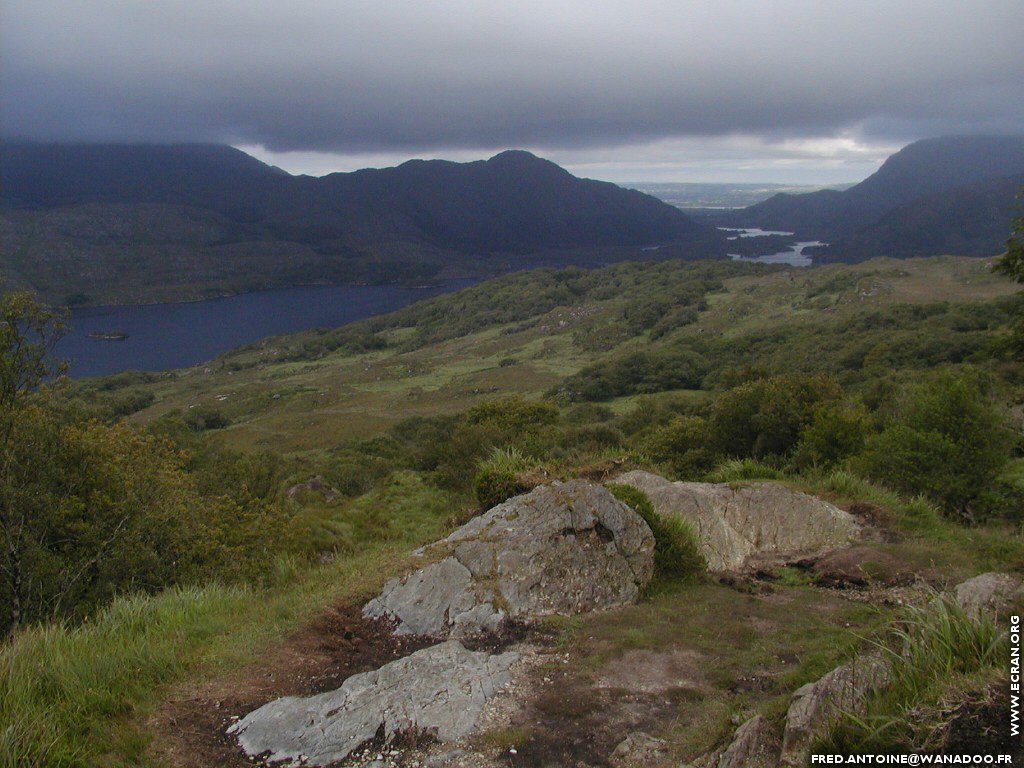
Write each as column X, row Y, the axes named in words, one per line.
column 162, row 336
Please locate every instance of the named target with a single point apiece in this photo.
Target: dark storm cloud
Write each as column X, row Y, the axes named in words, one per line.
column 405, row 76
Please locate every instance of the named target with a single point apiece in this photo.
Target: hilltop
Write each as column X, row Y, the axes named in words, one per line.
column 102, row 223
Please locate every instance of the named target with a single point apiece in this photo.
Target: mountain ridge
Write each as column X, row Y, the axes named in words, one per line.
column 876, row 217
column 250, row 225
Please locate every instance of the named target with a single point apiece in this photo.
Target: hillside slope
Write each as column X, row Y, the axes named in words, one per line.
column 376, row 438
column 888, row 213
column 117, row 222
column 967, row 221
column 575, row 330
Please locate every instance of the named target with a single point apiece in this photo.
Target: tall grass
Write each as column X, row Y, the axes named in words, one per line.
column 497, row 477
column 931, row 651
column 677, row 554
column 70, row 696
column 61, row 687
column 916, row 514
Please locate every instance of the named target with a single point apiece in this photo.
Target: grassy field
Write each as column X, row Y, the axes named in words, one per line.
column 309, row 405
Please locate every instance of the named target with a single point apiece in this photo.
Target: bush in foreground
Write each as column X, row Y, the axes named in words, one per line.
column 497, row 478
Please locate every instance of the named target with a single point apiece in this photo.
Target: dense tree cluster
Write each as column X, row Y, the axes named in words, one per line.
column 91, row 508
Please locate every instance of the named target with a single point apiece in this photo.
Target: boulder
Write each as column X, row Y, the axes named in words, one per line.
column 563, row 548
column 816, row 706
column 736, row 522
column 439, row 691
column 991, row 593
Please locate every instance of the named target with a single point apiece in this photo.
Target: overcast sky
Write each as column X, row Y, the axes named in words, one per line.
column 723, row 90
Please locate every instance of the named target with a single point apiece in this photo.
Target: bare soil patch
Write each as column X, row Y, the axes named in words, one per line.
column 189, row 727
column 656, row 672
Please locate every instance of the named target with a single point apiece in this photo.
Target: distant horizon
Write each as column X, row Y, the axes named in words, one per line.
column 701, row 165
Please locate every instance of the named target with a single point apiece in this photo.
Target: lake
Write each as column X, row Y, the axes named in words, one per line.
column 162, row 336
column 794, row 255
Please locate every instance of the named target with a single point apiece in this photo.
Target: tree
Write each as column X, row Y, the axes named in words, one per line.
column 947, row 441
column 90, row 509
column 1012, row 263
column 28, row 332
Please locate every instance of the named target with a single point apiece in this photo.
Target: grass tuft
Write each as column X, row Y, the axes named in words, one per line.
column 497, row 477
column 677, row 555
column 932, row 650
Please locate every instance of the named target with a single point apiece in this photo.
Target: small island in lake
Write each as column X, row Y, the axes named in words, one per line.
column 108, row 335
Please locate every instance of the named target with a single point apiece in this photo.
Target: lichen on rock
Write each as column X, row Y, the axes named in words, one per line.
column 563, row 548
column 438, row 691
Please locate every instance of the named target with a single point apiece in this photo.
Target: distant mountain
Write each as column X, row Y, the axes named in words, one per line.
column 943, row 195
column 972, row 220
column 136, row 222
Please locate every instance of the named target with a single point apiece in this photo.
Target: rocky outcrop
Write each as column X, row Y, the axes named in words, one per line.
column 752, row 746
column 315, row 485
column 989, row 593
column 734, row 523
column 564, row 548
column 439, row 691
column 816, row 706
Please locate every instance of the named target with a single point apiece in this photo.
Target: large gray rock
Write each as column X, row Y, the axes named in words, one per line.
column 991, row 593
column 734, row 523
column 816, row 706
column 563, row 548
column 439, row 691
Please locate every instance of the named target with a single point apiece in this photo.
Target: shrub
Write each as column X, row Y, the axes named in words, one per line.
column 637, row 373
column 765, row 417
column 677, row 555
column 945, row 440
column 514, row 414
column 837, row 432
column 684, row 445
column 201, row 419
column 592, row 438
column 497, row 478
column 1003, row 499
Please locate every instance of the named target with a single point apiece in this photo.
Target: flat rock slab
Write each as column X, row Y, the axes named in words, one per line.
column 439, row 691
column 563, row 548
column 736, row 522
